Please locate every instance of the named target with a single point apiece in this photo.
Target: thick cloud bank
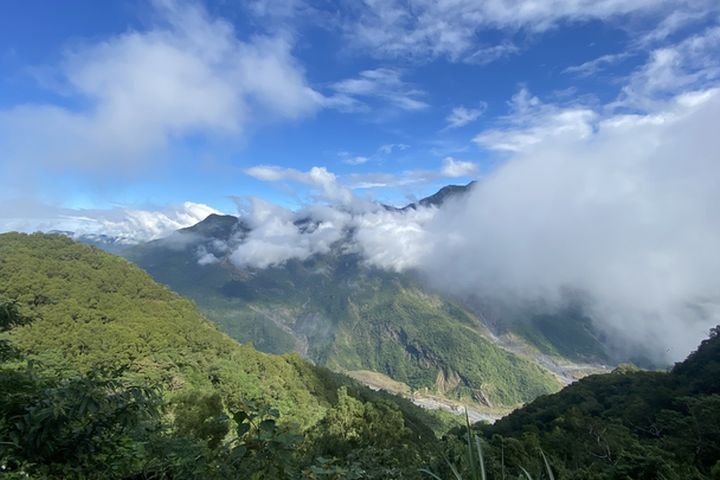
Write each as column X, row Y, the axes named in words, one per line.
column 620, row 206
column 624, row 208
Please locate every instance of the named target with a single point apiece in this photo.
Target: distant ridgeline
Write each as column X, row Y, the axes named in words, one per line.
column 106, row 374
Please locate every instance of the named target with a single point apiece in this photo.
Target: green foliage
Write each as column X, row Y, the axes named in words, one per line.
column 200, row 415
column 86, row 309
column 628, row 424
column 352, row 424
column 472, row 464
column 262, row 448
column 60, row 428
column 106, row 374
column 9, row 315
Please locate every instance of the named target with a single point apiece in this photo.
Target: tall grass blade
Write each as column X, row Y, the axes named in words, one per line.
column 471, row 453
column 547, row 466
column 527, row 475
column 455, row 471
column 480, row 458
column 428, row 472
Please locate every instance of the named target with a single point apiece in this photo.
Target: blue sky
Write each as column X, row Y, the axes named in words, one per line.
column 109, row 106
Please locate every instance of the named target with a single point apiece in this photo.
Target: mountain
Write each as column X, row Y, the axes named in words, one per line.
column 627, row 424
column 342, row 314
column 85, row 309
column 438, row 198
column 339, row 312
column 107, row 374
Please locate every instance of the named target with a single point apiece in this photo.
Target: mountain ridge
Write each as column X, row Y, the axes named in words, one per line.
column 339, row 312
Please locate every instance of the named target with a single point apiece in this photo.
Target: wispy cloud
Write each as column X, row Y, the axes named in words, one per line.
column 531, row 122
column 419, row 29
column 593, row 66
column 338, row 189
column 486, row 55
column 691, row 63
column 382, row 153
column 389, row 148
column 356, row 160
column 461, row 116
column 318, row 177
column 382, row 84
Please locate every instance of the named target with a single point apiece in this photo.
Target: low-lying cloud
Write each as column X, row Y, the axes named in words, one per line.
column 121, row 224
column 619, row 206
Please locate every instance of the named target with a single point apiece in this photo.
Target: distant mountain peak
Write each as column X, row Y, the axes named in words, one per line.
column 441, row 196
column 214, row 225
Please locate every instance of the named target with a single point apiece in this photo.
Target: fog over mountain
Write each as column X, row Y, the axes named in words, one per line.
column 619, row 207
column 625, row 211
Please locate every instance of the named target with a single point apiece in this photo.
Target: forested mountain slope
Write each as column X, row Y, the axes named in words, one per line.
column 628, row 424
column 344, row 314
column 76, row 315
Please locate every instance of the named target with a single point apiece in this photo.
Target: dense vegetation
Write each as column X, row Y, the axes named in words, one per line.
column 105, row 371
column 629, row 424
column 105, row 374
column 345, row 315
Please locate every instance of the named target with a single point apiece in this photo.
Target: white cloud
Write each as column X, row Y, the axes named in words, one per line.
column 386, row 239
column 357, row 160
column 385, row 84
column 531, row 122
column 689, row 64
column 426, row 29
column 318, row 177
column 379, row 155
column 674, row 21
column 129, row 225
column 204, row 257
column 621, row 208
column 450, row 168
column 486, row 55
column 394, row 240
column 593, row 66
column 338, row 191
column 461, row 116
column 276, row 238
column 138, row 91
column 454, row 168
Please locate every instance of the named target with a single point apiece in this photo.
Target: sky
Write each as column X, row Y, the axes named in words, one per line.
column 165, row 107
column 591, row 127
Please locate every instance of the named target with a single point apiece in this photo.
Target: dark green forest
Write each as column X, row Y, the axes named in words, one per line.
column 106, row 374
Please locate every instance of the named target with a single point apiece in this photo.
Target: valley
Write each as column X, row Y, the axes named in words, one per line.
column 339, row 312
